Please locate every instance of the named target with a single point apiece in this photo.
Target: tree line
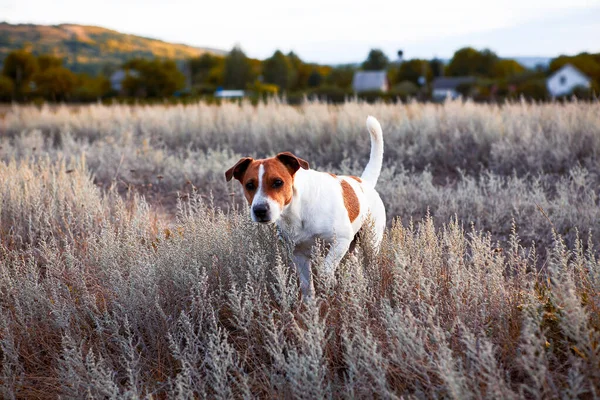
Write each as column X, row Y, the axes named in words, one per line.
column 27, row 77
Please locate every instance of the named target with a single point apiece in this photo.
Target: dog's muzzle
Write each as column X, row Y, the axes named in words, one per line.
column 261, row 213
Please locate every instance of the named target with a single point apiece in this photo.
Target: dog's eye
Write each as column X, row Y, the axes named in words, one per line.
column 277, row 183
column 250, row 186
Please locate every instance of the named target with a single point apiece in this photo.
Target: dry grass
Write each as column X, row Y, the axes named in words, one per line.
column 105, row 295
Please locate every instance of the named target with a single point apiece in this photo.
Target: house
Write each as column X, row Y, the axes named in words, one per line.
column 567, row 78
column 364, row 81
column 447, row 86
column 229, row 94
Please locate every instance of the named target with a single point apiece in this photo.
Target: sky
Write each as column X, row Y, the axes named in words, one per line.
column 338, row 31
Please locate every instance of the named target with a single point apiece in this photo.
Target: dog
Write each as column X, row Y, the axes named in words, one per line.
column 308, row 205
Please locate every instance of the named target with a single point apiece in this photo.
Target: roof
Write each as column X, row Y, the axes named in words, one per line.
column 573, row 69
column 229, row 93
column 451, row 82
column 369, row 80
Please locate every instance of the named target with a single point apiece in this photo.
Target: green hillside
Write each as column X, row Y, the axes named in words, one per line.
column 89, row 48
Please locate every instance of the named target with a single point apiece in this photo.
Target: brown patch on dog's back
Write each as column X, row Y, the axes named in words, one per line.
column 333, row 175
column 350, row 201
column 356, row 178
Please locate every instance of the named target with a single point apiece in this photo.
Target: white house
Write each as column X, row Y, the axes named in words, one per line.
column 563, row 81
column 364, row 81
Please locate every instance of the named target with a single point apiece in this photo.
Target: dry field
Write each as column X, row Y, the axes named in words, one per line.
column 129, row 268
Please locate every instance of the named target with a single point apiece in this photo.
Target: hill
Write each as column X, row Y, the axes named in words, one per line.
column 89, row 48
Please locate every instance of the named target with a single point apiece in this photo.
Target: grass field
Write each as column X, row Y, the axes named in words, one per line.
column 129, row 268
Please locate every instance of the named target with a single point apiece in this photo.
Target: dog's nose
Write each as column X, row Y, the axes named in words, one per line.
column 260, row 210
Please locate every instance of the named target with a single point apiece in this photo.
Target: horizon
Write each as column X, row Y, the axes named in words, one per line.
column 525, row 31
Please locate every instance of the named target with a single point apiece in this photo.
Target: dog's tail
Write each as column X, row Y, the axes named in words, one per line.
column 373, row 168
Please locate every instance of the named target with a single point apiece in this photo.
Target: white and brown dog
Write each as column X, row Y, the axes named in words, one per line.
column 309, row 205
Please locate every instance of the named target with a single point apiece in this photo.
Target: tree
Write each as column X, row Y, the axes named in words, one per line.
column 7, row 88
column 376, row 61
column 237, row 71
column 46, row 61
column 314, row 79
column 341, row 77
column 507, row 68
column 201, row 67
column 277, row 70
column 19, row 66
column 55, row 83
column 466, row 89
column 299, row 73
column 90, row 88
column 412, row 70
column 305, row 74
column 152, row 78
column 405, row 89
column 470, row 62
column 216, row 73
column 437, row 67
column 534, row 90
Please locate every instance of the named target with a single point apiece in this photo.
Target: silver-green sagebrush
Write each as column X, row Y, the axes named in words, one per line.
column 112, row 288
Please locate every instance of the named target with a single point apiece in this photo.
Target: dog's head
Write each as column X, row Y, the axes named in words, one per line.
column 268, row 184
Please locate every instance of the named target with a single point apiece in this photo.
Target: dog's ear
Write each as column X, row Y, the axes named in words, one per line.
column 292, row 162
column 238, row 170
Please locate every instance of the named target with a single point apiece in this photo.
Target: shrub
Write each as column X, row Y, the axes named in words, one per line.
column 134, row 306
column 406, row 88
column 484, row 286
column 7, row 88
column 533, row 90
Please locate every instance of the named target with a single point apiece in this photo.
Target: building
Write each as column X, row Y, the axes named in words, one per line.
column 364, row 81
column 229, row 94
column 447, row 86
column 563, row 81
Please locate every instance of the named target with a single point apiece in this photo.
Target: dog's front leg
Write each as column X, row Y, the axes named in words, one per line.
column 302, row 262
column 337, row 251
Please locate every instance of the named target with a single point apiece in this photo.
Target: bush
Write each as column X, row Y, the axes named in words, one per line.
column 372, row 96
column 264, row 89
column 583, row 93
column 331, row 94
column 406, row 88
column 205, row 89
column 467, row 89
column 487, row 284
column 7, row 88
column 533, row 90
column 120, row 304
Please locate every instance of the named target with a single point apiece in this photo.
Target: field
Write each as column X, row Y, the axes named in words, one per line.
column 129, row 268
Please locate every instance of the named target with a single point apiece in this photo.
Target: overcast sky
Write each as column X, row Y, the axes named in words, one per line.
column 338, row 31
